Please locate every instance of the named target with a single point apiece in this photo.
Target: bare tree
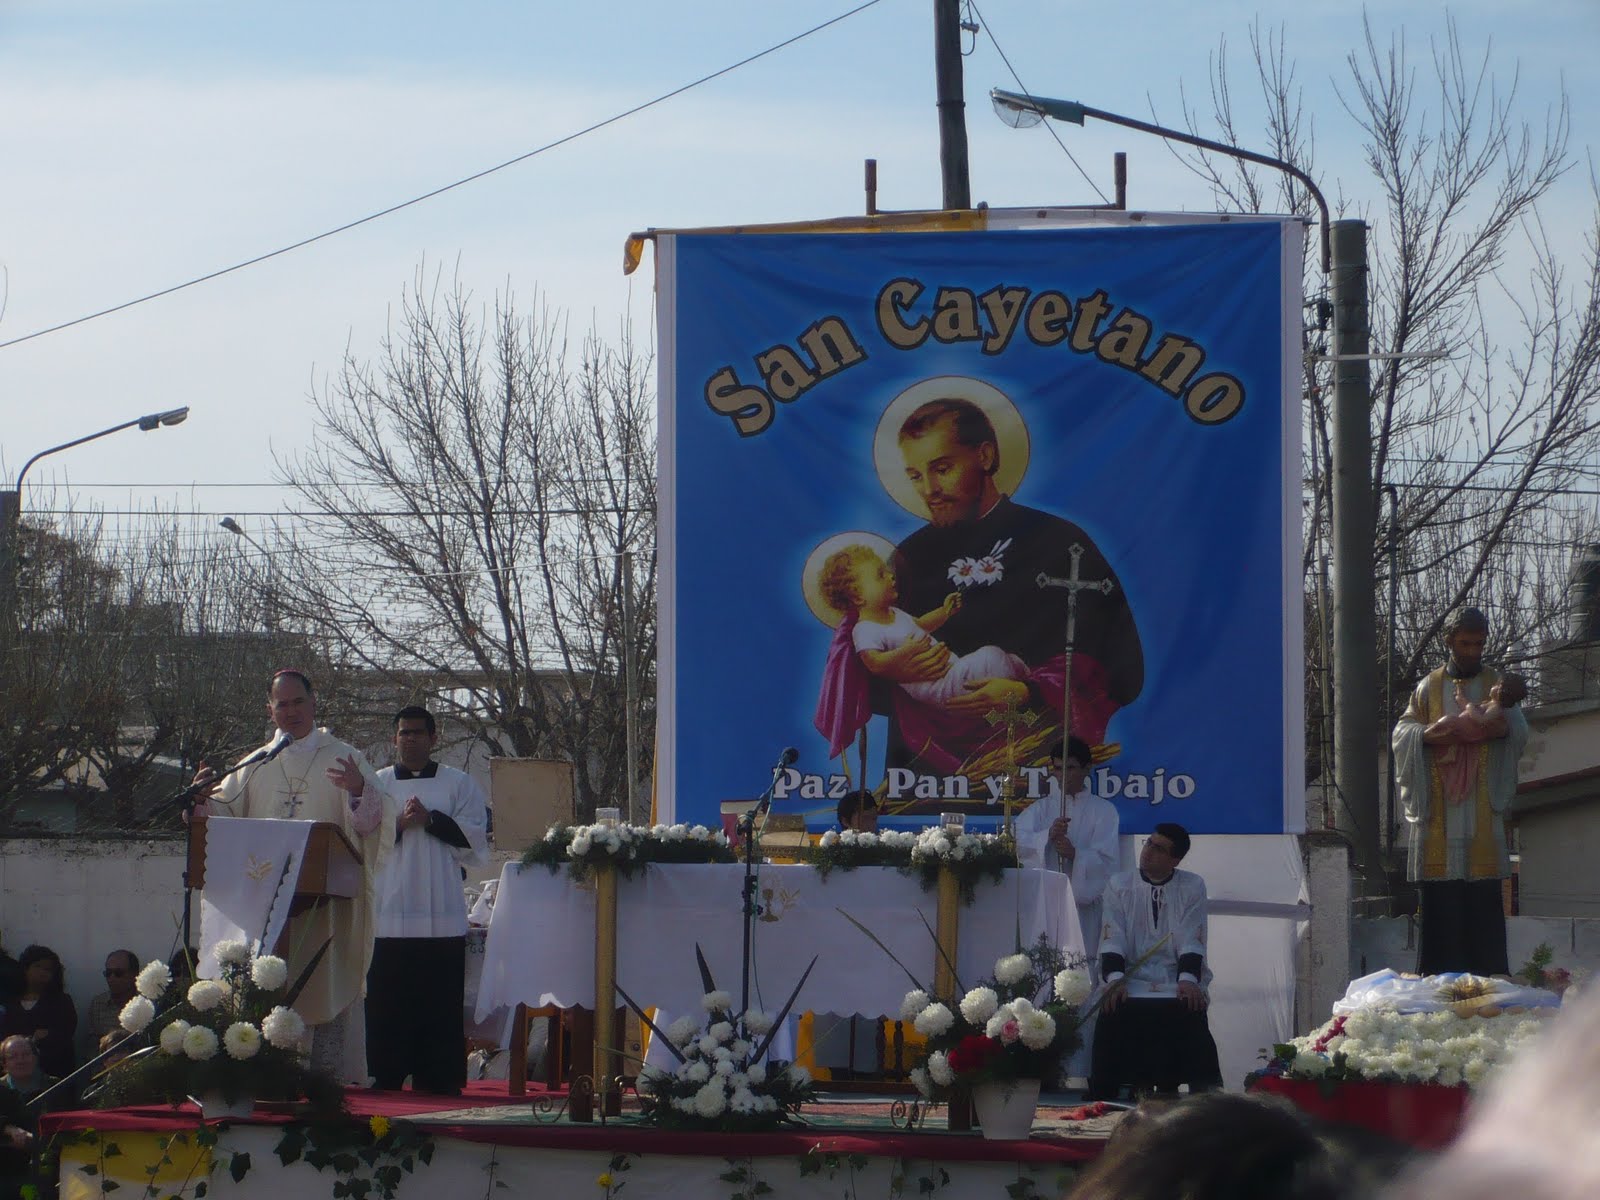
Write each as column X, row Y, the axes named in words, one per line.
column 466, row 510
column 1484, row 422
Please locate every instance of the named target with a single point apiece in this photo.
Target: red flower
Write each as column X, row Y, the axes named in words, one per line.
column 973, row 1053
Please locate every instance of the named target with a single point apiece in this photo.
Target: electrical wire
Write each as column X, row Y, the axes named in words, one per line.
column 1023, row 88
column 439, row 191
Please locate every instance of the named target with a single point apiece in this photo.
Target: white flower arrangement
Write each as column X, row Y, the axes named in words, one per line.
column 722, row 1080
column 1001, row 1033
column 628, row 848
column 235, row 1035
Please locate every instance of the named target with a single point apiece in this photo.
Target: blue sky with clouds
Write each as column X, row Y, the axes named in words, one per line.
column 145, row 142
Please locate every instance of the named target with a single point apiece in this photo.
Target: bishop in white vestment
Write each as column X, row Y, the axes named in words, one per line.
column 317, row 777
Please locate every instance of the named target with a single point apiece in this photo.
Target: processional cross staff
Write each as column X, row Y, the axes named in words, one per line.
column 1072, row 584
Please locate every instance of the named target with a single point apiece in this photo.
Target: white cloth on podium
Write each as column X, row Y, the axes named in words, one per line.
column 251, row 870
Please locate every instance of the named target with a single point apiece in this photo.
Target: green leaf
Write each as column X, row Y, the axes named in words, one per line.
column 200, row 1190
column 112, row 1150
column 425, row 1152
column 238, row 1165
column 109, row 1185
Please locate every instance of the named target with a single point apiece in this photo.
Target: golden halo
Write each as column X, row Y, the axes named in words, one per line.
column 811, row 574
column 1011, row 435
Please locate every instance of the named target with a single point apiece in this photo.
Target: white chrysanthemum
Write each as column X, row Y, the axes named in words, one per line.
column 580, row 846
column 798, row 1075
column 717, row 1002
column 831, row 838
column 756, row 1072
column 1013, row 968
column 707, row 1044
column 649, row 1077
column 233, row 952
column 934, row 1020
column 724, row 1067
column 1073, row 985
column 743, row 1101
column 682, row 1031
column 711, row 1100
column 206, row 994
column 269, row 972
column 137, row 1014
column 940, row 1070
column 200, row 1043
column 154, row 980
column 698, row 1072
column 913, row 1004
column 740, row 1048
column 172, row 1037
column 1038, row 1029
column 920, row 1080
column 722, row 1031
column 683, row 1104
column 978, row 1005
column 284, row 1028
column 1309, row 1066
column 242, row 1040
column 867, row 838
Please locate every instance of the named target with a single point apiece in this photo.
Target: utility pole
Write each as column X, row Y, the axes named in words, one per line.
column 1355, row 723
column 630, row 691
column 952, row 104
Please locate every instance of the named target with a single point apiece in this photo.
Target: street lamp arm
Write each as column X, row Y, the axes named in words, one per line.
column 147, row 422
column 1071, row 110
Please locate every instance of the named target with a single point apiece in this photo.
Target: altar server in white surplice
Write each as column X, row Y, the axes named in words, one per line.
column 1070, row 829
column 1152, row 1031
column 417, row 984
column 316, row 777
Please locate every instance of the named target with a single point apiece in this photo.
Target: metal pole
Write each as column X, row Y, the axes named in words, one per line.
column 952, row 104
column 1119, row 167
column 1393, row 548
column 1355, row 728
column 10, row 519
column 630, row 687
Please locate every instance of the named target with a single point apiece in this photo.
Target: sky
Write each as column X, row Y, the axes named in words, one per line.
column 147, row 142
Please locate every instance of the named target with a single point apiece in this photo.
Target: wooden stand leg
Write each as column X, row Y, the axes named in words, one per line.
column 581, row 1106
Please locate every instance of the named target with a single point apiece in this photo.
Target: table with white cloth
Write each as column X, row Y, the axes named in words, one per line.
column 541, row 942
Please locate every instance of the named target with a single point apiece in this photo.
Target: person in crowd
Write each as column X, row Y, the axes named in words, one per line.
column 23, row 1073
column 1153, row 1033
column 310, row 775
column 121, row 969
column 1223, row 1146
column 417, row 982
column 44, row 1012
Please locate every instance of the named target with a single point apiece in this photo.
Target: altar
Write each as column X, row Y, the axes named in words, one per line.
column 540, row 948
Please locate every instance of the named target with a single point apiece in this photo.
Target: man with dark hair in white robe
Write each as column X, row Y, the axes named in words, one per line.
column 1152, row 1033
column 415, row 1018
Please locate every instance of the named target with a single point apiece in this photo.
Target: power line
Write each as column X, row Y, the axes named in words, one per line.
column 439, row 191
column 1022, row 87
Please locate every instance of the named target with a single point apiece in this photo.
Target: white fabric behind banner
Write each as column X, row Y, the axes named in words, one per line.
column 247, row 888
column 541, row 938
column 1256, row 888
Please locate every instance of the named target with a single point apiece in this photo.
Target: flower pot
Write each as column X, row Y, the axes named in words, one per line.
column 215, row 1106
column 1005, row 1110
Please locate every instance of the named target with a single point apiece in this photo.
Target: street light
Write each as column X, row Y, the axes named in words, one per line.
column 1022, row 111
column 237, row 530
column 11, row 498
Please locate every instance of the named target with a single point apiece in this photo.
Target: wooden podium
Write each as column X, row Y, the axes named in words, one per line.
column 330, row 869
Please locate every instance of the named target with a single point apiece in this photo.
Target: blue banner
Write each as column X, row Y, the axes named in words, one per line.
column 927, row 497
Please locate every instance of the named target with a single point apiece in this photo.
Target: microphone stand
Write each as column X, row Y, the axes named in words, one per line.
column 747, row 828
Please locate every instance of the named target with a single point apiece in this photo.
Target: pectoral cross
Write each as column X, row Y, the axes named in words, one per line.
column 1072, row 584
column 295, row 790
column 1012, row 714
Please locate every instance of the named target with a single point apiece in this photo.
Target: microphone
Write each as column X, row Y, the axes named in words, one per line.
column 787, row 759
column 268, row 753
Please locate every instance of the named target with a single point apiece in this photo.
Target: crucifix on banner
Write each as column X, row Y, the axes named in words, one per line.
column 1012, row 714
column 1072, row 584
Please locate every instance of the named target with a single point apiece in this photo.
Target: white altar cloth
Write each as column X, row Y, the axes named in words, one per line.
column 541, row 938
